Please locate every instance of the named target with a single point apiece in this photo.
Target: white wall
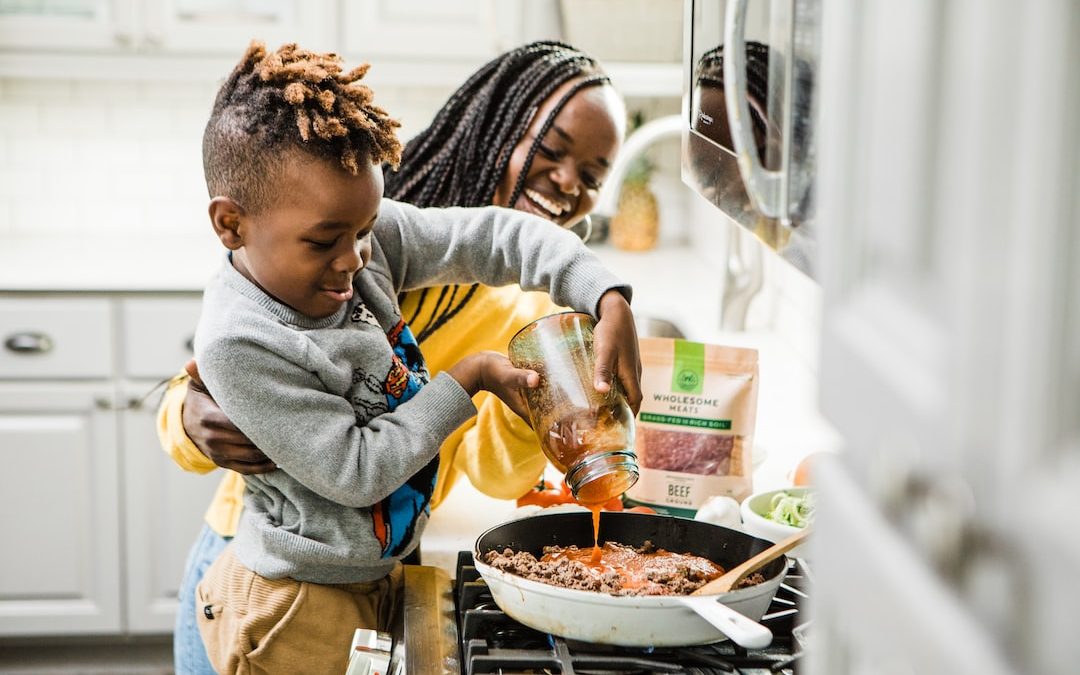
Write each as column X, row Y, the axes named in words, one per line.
column 84, row 156
column 113, row 157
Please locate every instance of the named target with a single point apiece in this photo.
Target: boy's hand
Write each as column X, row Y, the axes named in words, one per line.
column 492, row 371
column 214, row 435
column 615, row 345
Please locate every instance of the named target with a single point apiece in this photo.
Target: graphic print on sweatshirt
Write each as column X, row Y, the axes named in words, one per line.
column 394, row 518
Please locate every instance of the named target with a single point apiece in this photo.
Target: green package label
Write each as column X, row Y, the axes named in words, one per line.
column 688, row 375
column 685, row 421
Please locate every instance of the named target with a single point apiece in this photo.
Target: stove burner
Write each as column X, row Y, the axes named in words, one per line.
column 492, row 642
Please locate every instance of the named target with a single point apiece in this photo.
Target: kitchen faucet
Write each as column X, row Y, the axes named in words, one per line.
column 743, row 273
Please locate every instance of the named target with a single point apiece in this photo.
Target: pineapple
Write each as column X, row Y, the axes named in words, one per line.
column 636, row 223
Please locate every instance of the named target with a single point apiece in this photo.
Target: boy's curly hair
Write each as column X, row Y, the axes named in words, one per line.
column 290, row 99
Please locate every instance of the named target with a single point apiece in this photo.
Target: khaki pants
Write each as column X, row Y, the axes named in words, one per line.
column 252, row 625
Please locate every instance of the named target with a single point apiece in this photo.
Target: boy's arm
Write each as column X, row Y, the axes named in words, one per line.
column 312, row 434
column 170, row 427
column 500, row 453
column 493, row 246
column 215, row 443
column 497, row 246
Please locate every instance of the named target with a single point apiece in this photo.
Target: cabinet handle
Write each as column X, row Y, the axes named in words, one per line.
column 190, row 344
column 102, row 403
column 28, row 343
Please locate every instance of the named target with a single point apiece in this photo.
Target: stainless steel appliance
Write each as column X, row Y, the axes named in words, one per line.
column 749, row 103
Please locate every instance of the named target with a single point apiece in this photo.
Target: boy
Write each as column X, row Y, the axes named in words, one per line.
column 302, row 344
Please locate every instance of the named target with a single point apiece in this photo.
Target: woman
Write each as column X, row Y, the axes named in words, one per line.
column 536, row 129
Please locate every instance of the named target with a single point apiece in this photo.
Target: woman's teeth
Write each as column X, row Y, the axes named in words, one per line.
column 553, row 209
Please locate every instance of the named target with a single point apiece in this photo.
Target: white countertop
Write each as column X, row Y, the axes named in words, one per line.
column 104, row 262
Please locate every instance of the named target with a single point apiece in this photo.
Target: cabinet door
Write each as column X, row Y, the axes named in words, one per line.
column 226, row 27
column 158, row 334
column 60, row 570
column 950, row 360
column 412, row 29
column 163, row 512
column 895, row 357
column 67, row 24
column 56, row 338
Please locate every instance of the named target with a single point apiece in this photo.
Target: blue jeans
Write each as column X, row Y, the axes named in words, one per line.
column 189, row 655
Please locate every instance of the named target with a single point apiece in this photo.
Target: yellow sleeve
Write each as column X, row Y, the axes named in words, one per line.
column 499, row 453
column 170, row 427
column 223, row 515
column 496, row 450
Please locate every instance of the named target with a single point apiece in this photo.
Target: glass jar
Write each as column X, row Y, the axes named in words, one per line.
column 586, row 434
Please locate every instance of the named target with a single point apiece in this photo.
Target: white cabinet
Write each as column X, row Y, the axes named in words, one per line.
column 98, row 519
column 55, row 338
column 422, row 29
column 164, row 505
column 60, row 570
column 411, row 43
column 217, row 26
column 169, row 26
column 950, row 343
column 67, row 24
column 163, row 509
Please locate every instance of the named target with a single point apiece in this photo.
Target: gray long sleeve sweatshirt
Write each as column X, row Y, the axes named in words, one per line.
column 343, row 404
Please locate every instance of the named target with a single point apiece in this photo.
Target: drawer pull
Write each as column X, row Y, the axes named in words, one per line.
column 28, row 343
column 190, row 344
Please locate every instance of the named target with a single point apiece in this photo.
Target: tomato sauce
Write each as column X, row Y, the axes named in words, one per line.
column 635, row 568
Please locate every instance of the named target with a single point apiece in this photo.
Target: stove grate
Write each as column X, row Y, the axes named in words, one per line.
column 492, row 642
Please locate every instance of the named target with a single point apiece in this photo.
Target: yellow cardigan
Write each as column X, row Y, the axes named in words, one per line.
column 495, row 449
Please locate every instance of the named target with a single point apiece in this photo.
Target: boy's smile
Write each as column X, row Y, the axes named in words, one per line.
column 307, row 244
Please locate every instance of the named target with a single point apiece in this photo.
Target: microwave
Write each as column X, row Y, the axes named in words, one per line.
column 748, row 143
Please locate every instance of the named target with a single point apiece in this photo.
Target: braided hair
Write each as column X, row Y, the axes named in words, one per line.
column 710, row 71
column 289, row 99
column 460, row 159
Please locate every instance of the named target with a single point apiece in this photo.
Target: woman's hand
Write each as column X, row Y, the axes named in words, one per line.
column 214, row 435
column 615, row 345
column 491, row 371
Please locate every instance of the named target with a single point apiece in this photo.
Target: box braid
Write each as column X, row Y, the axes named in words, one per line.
column 289, row 99
column 460, row 159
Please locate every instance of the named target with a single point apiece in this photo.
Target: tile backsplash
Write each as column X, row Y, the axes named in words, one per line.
column 105, row 156
column 112, row 157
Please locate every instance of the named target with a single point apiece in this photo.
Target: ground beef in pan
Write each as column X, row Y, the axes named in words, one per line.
column 624, row 570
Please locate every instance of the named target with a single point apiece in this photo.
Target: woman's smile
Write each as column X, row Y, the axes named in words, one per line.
column 552, row 208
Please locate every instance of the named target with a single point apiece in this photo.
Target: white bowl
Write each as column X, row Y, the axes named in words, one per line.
column 754, row 510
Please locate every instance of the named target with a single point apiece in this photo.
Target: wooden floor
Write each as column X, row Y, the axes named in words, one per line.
column 87, row 656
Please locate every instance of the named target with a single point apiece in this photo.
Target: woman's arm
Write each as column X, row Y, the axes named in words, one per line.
column 499, row 453
column 170, row 427
column 196, row 433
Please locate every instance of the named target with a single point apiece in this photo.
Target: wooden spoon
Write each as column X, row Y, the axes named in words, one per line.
column 726, row 581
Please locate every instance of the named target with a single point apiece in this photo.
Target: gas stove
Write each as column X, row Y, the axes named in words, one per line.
column 453, row 626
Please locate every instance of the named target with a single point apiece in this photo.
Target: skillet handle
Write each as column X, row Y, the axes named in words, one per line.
column 741, row 630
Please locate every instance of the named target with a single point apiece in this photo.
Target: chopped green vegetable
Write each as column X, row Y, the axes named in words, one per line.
column 793, row 510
